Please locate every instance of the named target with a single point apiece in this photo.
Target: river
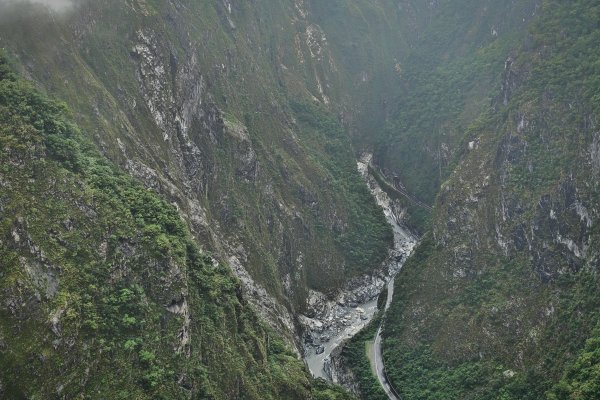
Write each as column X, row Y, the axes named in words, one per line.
column 335, row 320
column 316, row 362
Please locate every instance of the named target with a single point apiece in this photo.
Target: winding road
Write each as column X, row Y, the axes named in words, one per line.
column 404, row 242
column 377, row 359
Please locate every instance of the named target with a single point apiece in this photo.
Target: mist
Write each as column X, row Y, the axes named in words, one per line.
column 55, row 5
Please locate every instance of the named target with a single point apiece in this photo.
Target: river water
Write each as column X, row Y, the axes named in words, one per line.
column 316, row 362
column 341, row 319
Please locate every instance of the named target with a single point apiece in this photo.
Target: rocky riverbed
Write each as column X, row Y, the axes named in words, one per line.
column 329, row 321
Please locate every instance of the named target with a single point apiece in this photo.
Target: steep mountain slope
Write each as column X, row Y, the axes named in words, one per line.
column 227, row 108
column 104, row 293
column 442, row 82
column 502, row 294
column 233, row 114
column 233, row 126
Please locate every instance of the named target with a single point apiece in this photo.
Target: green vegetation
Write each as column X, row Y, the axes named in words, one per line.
column 238, row 118
column 104, row 292
column 500, row 299
column 354, row 355
column 444, row 81
column 418, row 217
column 582, row 378
column 323, row 390
column 243, row 173
column 367, row 236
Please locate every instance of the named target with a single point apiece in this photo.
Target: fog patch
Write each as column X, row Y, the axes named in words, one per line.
column 55, row 5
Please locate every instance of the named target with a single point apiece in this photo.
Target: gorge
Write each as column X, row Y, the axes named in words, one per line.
column 330, row 322
column 221, row 199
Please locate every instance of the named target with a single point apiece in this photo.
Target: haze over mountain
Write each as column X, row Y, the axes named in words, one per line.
column 219, row 199
column 57, row 5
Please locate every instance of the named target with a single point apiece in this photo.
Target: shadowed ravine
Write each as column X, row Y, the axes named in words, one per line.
column 344, row 318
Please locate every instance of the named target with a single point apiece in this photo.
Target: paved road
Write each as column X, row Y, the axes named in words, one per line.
column 399, row 190
column 377, row 359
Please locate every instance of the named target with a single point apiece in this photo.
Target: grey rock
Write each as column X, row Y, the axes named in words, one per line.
column 339, row 316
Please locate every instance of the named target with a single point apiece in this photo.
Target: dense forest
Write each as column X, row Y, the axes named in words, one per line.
column 182, row 216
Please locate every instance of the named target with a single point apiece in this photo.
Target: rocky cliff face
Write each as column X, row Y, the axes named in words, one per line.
column 232, row 117
column 446, row 78
column 213, row 105
column 504, row 288
column 103, row 291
